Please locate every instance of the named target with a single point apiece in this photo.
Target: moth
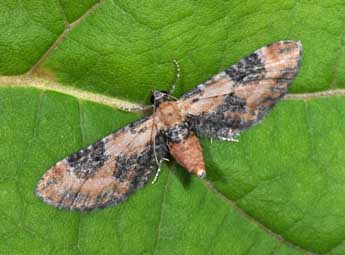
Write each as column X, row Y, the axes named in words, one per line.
column 108, row 171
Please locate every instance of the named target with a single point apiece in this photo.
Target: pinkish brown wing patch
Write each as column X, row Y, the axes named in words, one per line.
column 106, row 172
column 243, row 94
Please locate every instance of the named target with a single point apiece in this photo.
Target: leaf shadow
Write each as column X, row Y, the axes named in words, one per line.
column 182, row 174
column 214, row 173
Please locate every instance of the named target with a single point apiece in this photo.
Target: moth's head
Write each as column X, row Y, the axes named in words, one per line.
column 159, row 97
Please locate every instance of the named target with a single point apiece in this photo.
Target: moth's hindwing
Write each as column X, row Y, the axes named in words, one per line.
column 241, row 95
column 106, row 172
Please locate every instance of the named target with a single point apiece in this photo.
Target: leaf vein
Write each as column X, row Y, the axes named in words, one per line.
column 244, row 214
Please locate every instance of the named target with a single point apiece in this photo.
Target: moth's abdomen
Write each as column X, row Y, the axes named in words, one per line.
column 188, row 153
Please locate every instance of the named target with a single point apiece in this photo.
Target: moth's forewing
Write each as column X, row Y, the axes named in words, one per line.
column 106, row 172
column 243, row 94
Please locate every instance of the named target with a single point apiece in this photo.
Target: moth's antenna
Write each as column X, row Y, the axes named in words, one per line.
column 176, row 78
column 137, row 108
column 175, row 98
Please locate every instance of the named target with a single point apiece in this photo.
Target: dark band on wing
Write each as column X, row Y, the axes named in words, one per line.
column 137, row 168
column 248, row 69
column 216, row 123
column 86, row 161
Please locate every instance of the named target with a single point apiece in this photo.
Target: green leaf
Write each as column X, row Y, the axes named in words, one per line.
column 179, row 214
column 27, row 29
column 280, row 190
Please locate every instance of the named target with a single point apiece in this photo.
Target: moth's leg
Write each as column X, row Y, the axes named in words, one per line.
column 153, row 139
column 230, row 137
column 173, row 86
column 158, row 170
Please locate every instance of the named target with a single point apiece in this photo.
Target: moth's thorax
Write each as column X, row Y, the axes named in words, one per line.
column 169, row 113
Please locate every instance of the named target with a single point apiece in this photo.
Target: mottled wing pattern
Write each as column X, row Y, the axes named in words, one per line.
column 106, row 172
column 241, row 95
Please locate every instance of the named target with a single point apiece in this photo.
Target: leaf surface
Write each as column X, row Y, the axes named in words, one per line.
column 280, row 190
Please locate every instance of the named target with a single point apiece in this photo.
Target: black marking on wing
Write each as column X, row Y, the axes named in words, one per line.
column 86, row 161
column 146, row 162
column 216, row 123
column 138, row 167
column 177, row 133
column 248, row 69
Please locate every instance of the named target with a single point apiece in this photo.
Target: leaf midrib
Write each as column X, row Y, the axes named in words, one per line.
column 32, row 81
column 32, row 78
